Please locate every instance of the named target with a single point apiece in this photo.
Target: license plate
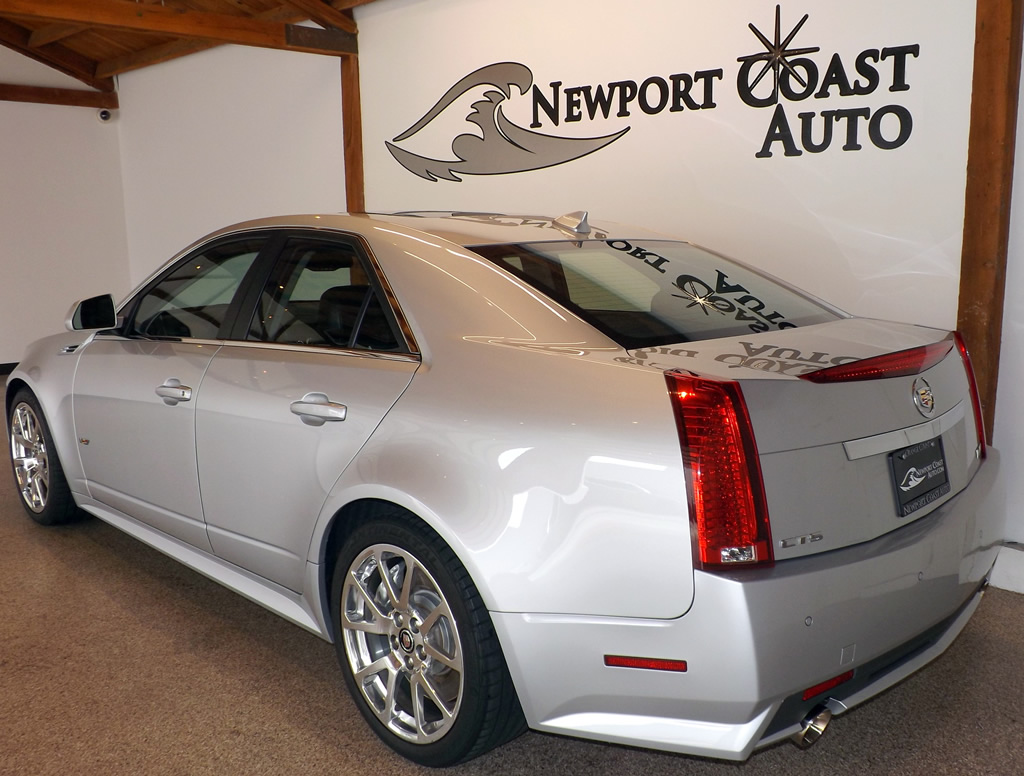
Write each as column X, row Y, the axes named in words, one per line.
column 919, row 475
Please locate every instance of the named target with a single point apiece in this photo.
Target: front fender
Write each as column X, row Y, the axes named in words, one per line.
column 48, row 370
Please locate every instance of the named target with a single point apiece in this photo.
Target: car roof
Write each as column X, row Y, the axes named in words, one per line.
column 460, row 227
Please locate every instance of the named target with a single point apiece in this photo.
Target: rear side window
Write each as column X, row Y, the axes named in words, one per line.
column 643, row 293
column 321, row 294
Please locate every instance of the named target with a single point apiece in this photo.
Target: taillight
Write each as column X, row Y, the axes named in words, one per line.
column 899, row 364
column 979, row 422
column 724, row 486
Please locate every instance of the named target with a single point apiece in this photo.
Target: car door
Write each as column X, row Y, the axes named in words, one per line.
column 135, row 390
column 288, row 403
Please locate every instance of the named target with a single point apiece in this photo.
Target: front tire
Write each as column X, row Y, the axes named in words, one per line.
column 417, row 647
column 38, row 475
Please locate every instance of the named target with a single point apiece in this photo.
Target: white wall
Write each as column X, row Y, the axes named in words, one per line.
column 1008, row 435
column 62, row 229
column 876, row 231
column 222, row 136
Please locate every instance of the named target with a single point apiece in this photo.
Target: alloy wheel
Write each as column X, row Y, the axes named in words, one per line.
column 31, row 460
column 402, row 643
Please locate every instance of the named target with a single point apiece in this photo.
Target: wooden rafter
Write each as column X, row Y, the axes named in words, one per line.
column 51, row 96
column 126, row 16
column 164, row 52
column 55, row 55
column 323, row 14
column 52, row 33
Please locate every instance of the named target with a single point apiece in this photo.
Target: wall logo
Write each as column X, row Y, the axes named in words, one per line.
column 505, row 147
column 779, row 75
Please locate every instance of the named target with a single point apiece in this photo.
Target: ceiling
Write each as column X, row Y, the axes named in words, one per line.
column 95, row 40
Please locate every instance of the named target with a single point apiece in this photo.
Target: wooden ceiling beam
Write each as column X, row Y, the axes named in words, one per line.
column 165, row 52
column 161, row 20
column 54, row 55
column 52, row 33
column 50, row 96
column 325, row 15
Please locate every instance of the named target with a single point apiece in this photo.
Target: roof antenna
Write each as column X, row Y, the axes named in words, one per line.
column 574, row 223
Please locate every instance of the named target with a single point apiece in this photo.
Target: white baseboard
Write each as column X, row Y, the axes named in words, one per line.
column 1008, row 573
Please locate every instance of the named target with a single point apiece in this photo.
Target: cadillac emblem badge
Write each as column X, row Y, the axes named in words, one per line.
column 924, row 400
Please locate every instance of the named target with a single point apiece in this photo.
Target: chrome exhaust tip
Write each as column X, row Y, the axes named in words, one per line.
column 813, row 727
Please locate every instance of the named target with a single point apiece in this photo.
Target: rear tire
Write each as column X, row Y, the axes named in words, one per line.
column 417, row 646
column 38, row 475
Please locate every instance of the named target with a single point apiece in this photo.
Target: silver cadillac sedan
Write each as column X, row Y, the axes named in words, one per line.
column 531, row 472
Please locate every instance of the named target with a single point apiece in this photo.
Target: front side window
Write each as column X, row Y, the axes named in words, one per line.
column 320, row 293
column 192, row 300
column 644, row 293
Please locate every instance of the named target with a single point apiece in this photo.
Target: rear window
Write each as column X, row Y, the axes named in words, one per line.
column 643, row 293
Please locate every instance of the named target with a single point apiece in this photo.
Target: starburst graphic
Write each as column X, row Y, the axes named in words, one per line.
column 777, row 53
column 703, row 301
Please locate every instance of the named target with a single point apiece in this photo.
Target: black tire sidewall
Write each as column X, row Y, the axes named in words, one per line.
column 460, row 740
column 60, row 507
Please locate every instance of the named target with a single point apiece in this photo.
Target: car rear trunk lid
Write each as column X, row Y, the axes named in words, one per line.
column 845, row 462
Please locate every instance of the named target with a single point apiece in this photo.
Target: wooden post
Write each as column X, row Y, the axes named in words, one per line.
column 997, row 58
column 352, row 127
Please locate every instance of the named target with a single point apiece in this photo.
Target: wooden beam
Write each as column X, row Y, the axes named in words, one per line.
column 51, row 96
column 343, row 5
column 352, row 132
column 54, row 55
column 999, row 30
column 165, row 52
column 153, row 55
column 325, row 15
column 52, row 33
column 174, row 22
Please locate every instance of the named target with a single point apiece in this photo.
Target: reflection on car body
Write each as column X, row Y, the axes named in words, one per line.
column 526, row 472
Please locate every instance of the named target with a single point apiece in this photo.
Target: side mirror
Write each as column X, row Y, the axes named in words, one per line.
column 95, row 313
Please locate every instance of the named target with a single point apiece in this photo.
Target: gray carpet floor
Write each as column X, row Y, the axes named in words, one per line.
column 116, row 660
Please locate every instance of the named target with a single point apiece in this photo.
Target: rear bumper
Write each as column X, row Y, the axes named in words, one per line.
column 753, row 641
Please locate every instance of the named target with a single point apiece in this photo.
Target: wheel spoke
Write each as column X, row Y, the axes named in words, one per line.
column 453, row 662
column 425, row 686
column 385, row 663
column 376, row 626
column 390, row 713
column 367, row 596
column 394, row 597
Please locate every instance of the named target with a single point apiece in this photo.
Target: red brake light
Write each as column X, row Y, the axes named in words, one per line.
column 900, row 364
column 725, row 489
column 979, row 422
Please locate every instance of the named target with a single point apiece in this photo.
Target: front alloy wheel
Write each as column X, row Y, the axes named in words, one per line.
column 37, row 471
column 30, row 458
column 417, row 646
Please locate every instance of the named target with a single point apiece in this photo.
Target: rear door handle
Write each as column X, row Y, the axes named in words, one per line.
column 172, row 391
column 315, row 409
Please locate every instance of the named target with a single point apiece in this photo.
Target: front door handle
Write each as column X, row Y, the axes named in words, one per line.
column 315, row 409
column 172, row 391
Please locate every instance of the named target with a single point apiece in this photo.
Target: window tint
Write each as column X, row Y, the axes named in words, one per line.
column 320, row 294
column 192, row 300
column 644, row 293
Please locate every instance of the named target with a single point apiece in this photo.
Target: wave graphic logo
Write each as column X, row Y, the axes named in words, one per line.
column 505, row 147
column 912, row 479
